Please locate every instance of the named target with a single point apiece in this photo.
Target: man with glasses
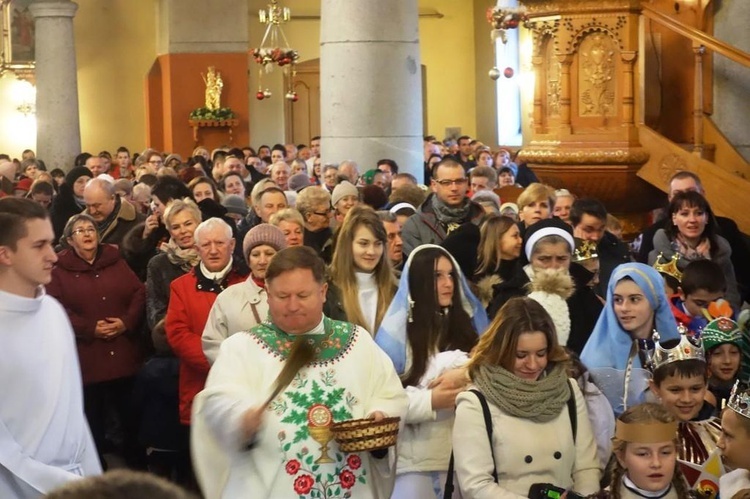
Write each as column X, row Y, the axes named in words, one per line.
column 444, row 210
column 155, row 161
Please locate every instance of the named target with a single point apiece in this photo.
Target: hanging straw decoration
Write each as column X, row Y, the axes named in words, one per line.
column 274, row 50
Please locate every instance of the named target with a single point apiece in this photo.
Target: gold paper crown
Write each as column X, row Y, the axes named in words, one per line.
column 585, row 250
column 688, row 348
column 669, row 268
column 739, row 400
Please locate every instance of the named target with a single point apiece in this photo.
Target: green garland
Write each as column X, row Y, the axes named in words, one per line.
column 204, row 113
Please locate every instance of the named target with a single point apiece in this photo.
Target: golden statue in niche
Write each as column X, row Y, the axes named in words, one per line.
column 214, row 84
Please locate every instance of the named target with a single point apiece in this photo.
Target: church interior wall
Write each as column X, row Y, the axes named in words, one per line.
column 116, row 47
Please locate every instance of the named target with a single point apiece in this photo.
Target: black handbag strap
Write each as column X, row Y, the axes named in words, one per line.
column 449, row 486
column 573, row 413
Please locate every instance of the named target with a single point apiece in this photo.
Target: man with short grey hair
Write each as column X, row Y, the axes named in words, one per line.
column 350, row 170
column 94, row 163
column 114, row 216
column 190, row 300
column 280, row 172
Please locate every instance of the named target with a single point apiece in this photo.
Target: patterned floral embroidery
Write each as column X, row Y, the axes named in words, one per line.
column 312, row 406
column 303, row 395
column 329, row 347
column 312, row 482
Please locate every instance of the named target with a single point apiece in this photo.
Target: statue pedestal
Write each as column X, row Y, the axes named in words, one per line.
column 228, row 124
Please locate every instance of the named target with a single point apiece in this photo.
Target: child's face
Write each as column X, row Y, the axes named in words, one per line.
column 682, row 395
column 698, row 300
column 724, row 361
column 735, row 440
column 650, row 466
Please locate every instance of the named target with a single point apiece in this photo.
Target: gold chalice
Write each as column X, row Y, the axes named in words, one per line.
column 320, row 418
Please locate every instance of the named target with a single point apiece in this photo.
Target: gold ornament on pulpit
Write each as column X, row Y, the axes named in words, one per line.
column 214, row 84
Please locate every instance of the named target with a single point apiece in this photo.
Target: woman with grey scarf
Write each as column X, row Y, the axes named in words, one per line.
column 536, row 428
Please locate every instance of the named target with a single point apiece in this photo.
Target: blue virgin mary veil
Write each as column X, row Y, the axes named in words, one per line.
column 611, row 354
column 391, row 336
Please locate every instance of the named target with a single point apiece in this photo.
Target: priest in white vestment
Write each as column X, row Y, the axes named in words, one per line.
column 241, row 448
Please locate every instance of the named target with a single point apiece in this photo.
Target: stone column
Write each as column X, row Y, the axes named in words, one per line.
column 371, row 83
column 58, row 130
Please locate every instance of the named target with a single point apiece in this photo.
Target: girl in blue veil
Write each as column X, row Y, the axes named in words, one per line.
column 637, row 306
column 430, row 327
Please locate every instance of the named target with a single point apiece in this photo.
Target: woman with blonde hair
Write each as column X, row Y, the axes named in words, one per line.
column 521, row 388
column 644, row 456
column 361, row 270
column 534, row 204
column 291, row 223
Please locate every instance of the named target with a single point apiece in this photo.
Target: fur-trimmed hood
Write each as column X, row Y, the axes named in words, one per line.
column 485, row 288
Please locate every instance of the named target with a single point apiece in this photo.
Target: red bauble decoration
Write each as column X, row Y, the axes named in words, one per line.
column 260, row 96
column 508, row 72
column 295, row 98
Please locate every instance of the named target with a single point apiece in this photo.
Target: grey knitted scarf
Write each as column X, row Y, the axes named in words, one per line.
column 539, row 401
column 447, row 215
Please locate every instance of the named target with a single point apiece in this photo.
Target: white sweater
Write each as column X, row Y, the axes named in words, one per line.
column 367, row 288
column 423, row 443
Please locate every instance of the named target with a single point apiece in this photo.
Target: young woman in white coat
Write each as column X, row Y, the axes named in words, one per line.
column 520, row 370
column 431, row 326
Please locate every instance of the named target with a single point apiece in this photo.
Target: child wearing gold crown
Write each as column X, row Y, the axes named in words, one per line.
column 735, row 442
column 644, row 456
column 680, row 383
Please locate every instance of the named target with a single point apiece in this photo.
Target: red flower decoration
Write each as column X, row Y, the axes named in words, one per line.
column 347, row 479
column 303, row 484
column 353, row 461
column 292, row 467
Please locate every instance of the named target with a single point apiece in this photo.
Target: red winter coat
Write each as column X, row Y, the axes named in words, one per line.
column 92, row 292
column 190, row 300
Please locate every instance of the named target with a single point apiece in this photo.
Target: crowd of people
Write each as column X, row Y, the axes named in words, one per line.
column 153, row 305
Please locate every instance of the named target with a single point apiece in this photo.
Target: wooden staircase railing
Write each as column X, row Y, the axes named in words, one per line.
column 701, row 42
